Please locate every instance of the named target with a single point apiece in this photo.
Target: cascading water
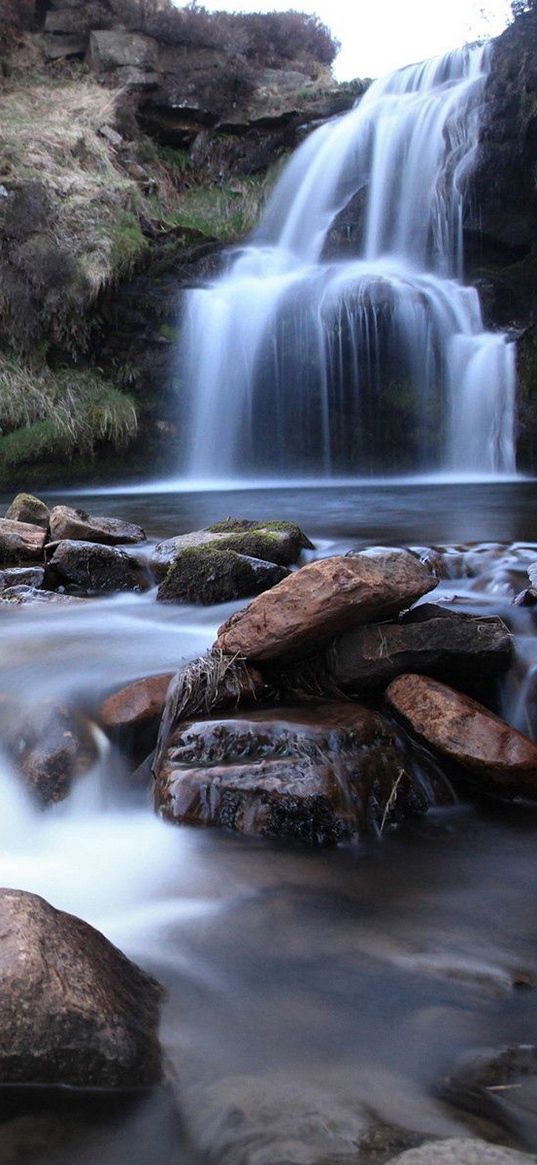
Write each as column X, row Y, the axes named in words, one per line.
column 295, row 362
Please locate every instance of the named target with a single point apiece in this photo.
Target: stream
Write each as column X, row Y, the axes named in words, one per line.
column 303, row 987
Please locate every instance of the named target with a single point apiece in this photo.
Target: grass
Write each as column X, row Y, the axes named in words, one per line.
column 225, row 212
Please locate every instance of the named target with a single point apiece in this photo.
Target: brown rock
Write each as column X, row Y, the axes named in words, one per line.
column 467, row 733
column 137, row 703
column 317, row 775
column 27, row 508
column 80, row 526
column 49, row 744
column 20, row 542
column 74, row 1010
column 324, row 598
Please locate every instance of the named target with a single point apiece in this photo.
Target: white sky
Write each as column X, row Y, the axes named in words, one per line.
column 380, row 35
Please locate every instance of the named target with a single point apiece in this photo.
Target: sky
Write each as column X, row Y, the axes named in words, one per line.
column 378, row 36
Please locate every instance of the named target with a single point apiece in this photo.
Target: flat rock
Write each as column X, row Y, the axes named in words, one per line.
column 207, row 576
column 432, row 640
column 66, row 523
column 316, row 774
column 467, row 733
column 20, row 542
column 110, row 49
column 92, row 568
column 27, row 508
column 136, row 703
column 324, row 598
column 22, row 576
column 462, row 1151
column 73, row 1010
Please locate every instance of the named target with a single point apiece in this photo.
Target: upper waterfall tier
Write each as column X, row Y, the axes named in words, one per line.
column 295, row 363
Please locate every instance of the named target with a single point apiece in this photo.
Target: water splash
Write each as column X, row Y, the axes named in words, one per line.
column 297, row 363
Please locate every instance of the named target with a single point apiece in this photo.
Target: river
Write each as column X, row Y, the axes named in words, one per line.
column 301, row 986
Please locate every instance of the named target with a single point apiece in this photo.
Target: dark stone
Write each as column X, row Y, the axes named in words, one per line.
column 22, row 576
column 319, row 774
column 278, row 542
column 217, row 576
column 49, row 745
column 90, row 568
column 74, row 1010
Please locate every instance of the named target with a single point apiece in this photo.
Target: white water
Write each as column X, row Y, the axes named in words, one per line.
column 295, row 363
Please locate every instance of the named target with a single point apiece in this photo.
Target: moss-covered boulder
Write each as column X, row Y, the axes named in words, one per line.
column 27, row 508
column 275, row 542
column 210, row 574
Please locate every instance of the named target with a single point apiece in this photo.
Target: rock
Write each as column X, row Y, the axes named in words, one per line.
column 324, row 598
column 498, row 1084
column 74, row 1010
column 22, row 576
column 110, row 49
column 462, row 1151
column 139, row 702
column 463, row 730
column 280, row 543
column 217, row 576
column 318, row 774
column 23, row 595
column 20, row 542
column 431, row 640
column 77, row 525
column 532, row 574
column 26, row 508
column 94, row 569
column 49, row 744
column 526, row 598
column 55, row 47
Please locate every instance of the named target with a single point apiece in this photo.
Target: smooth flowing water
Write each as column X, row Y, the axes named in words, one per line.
column 302, row 987
column 295, row 362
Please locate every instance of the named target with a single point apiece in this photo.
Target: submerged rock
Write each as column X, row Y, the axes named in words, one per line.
column 466, row 732
column 27, row 508
column 208, row 576
column 463, row 1151
column 74, row 1010
column 499, row 1084
column 49, row 744
column 431, row 639
column 315, row 603
column 318, row 774
column 66, row 523
column 94, row 569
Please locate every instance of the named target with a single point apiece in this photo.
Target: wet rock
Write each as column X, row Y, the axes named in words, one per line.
column 22, row 596
column 431, row 640
column 137, row 703
column 49, row 745
column 462, row 1151
column 22, row 576
column 322, row 599
column 94, row 569
column 27, row 508
column 66, row 523
column 526, row 598
column 74, row 1010
column 208, row 576
column 20, row 542
column 317, row 775
column 499, row 1084
column 280, row 543
column 113, row 48
column 466, row 732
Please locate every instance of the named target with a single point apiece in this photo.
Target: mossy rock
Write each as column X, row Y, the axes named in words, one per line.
column 297, row 537
column 26, row 508
column 265, row 542
column 210, row 574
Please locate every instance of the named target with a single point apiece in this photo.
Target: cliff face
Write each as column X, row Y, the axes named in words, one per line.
column 128, row 158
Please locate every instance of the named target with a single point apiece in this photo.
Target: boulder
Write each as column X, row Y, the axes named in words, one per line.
column 463, row 1151
column 55, row 47
column 22, row 576
column 217, row 576
column 137, row 703
column 74, row 1010
column 26, row 508
column 432, row 640
column 114, row 48
column 280, row 543
column 49, row 745
column 20, row 542
column 466, row 732
column 94, row 569
column 318, row 774
column 324, row 598
column 78, row 525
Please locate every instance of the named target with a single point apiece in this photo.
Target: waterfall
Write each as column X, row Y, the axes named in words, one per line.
column 298, row 360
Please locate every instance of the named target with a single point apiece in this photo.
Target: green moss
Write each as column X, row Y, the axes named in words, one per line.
column 167, row 332
column 214, row 574
column 129, row 245
column 264, row 529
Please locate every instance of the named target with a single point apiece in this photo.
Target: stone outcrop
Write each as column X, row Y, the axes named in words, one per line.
column 317, row 775
column 90, row 568
column 322, row 599
column 74, row 1010
column 497, row 756
column 67, row 523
